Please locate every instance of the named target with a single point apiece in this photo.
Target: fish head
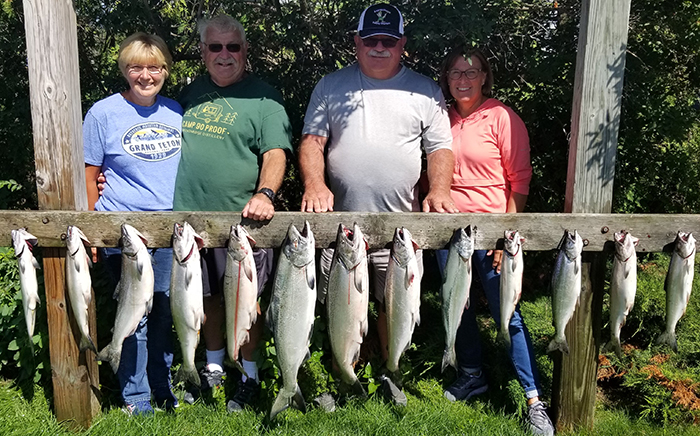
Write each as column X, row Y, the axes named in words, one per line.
column 240, row 243
column 463, row 242
column 351, row 245
column 22, row 239
column 572, row 244
column 299, row 246
column 404, row 247
column 685, row 244
column 75, row 239
column 625, row 245
column 185, row 242
column 512, row 242
column 132, row 240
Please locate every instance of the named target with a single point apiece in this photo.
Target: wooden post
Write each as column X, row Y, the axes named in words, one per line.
column 52, row 54
column 595, row 121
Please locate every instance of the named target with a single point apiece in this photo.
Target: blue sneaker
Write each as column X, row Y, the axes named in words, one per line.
column 466, row 386
column 139, row 408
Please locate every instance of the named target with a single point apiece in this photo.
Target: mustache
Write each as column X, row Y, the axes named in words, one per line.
column 379, row 54
column 228, row 61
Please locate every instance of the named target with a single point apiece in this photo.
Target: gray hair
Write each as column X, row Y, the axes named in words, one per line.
column 222, row 23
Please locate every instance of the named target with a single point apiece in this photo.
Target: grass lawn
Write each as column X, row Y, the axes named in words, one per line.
column 427, row 414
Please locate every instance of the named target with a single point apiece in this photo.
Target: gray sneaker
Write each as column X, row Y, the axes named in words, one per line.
column 391, row 392
column 538, row 420
column 466, row 386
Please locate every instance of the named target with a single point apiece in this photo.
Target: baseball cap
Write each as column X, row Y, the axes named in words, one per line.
column 381, row 19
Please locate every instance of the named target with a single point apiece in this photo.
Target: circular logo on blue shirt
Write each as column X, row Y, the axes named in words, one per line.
column 152, row 141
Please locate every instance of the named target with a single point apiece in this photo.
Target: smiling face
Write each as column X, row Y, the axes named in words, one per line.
column 145, row 82
column 467, row 92
column 379, row 62
column 225, row 67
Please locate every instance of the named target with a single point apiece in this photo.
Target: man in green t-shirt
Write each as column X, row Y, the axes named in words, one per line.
column 235, row 136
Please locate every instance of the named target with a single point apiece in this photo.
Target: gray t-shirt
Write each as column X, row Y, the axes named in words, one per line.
column 375, row 130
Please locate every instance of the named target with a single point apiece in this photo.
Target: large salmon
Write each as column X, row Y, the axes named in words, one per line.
column 347, row 302
column 511, row 280
column 623, row 286
column 79, row 283
column 291, row 312
column 566, row 287
column 24, row 243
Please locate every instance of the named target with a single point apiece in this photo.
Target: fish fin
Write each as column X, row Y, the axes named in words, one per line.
column 576, row 268
column 184, row 375
column 77, row 266
column 310, row 271
column 505, row 337
column 668, row 338
column 239, row 367
column 358, row 389
column 22, row 267
column 139, row 264
column 89, row 261
column 298, row 400
column 449, row 358
column 35, row 263
column 86, row 343
column 117, row 290
column 613, row 345
column 410, row 276
column 361, row 278
column 188, row 276
column 513, row 265
column 269, row 318
column 282, row 402
column 149, row 307
column 558, row 344
column 108, row 354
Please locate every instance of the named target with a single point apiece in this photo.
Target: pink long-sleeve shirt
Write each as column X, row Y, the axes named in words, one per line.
column 492, row 158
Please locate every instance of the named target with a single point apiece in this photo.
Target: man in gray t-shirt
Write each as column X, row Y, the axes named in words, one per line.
column 374, row 118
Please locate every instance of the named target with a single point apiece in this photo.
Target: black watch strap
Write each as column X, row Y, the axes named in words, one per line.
column 269, row 193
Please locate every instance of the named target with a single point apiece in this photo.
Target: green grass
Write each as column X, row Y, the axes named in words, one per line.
column 426, row 414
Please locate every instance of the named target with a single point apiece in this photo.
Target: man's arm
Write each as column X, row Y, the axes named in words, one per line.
column 317, row 197
column 440, row 169
column 260, row 207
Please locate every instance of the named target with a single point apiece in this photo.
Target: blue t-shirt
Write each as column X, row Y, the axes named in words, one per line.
column 138, row 148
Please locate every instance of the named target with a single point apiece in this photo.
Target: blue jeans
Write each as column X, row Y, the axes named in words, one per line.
column 147, row 354
column 468, row 344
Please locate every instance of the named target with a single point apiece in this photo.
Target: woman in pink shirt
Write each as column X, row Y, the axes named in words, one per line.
column 491, row 175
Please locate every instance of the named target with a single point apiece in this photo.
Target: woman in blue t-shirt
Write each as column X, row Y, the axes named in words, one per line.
column 133, row 137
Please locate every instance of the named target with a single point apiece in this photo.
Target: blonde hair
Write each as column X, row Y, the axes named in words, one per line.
column 144, row 49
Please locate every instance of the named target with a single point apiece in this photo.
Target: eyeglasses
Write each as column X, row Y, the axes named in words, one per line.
column 216, row 47
column 386, row 42
column 138, row 69
column 470, row 74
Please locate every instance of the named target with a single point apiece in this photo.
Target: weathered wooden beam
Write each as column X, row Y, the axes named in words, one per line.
column 54, row 88
column 430, row 230
column 595, row 121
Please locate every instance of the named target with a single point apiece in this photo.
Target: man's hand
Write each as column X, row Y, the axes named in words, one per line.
column 497, row 255
column 259, row 208
column 317, row 200
column 101, row 180
column 439, row 202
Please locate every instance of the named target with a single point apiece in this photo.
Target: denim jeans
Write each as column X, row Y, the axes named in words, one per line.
column 147, row 354
column 468, row 344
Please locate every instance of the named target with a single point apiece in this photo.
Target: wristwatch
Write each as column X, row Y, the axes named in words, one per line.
column 267, row 192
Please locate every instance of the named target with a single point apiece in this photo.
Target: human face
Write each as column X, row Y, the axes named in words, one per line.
column 224, row 66
column 145, row 82
column 379, row 62
column 466, row 91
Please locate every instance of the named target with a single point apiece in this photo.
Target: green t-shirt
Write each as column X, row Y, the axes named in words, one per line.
column 225, row 132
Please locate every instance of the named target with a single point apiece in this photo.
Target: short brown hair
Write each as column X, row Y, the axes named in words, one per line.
column 145, row 49
column 466, row 53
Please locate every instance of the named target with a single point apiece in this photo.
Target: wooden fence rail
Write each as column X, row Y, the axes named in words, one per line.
column 429, row 230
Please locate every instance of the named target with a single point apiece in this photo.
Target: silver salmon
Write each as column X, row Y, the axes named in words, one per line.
column 511, row 280
column 290, row 315
column 240, row 291
column 455, row 289
column 401, row 296
column 623, row 287
column 79, row 283
column 24, row 243
column 347, row 302
column 678, row 285
column 566, row 287
column 186, row 300
column 134, row 293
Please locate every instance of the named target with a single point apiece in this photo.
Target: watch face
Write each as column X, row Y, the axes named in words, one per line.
column 269, row 193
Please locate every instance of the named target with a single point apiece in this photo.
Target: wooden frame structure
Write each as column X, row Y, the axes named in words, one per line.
column 56, row 117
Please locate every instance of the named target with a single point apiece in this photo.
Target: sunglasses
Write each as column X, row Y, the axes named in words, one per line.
column 386, row 42
column 216, row 47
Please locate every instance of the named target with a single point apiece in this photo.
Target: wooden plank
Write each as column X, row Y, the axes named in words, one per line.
column 54, row 87
column 542, row 231
column 600, row 66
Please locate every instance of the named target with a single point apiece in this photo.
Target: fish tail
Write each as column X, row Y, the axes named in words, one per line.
column 449, row 358
column 358, row 389
column 239, row 367
column 668, row 338
column 109, row 354
column 504, row 335
column 282, row 403
column 185, row 375
column 613, row 345
column 298, row 400
column 558, row 343
column 86, row 343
